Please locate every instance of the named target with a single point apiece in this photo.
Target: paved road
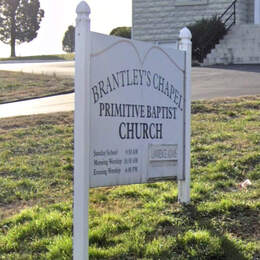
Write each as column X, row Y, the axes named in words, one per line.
column 207, row 83
column 230, row 81
column 60, row 68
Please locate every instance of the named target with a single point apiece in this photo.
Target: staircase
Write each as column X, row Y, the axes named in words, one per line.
column 241, row 45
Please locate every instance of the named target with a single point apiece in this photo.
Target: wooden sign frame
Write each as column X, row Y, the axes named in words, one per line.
column 164, row 157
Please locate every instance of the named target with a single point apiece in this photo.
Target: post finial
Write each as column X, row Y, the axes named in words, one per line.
column 83, row 8
column 185, row 33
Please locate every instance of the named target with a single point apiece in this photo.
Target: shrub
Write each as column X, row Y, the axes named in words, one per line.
column 206, row 33
column 122, row 32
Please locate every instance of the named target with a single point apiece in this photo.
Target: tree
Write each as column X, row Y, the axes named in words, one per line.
column 19, row 21
column 122, row 32
column 68, row 42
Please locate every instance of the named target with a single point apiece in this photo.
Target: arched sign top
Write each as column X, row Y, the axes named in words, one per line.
column 141, row 60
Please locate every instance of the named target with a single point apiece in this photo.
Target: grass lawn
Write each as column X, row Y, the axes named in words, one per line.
column 67, row 56
column 20, row 86
column 138, row 221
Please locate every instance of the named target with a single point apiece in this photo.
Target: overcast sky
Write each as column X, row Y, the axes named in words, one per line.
column 59, row 14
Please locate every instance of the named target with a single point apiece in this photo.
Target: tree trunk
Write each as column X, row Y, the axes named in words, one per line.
column 13, row 47
column 13, row 36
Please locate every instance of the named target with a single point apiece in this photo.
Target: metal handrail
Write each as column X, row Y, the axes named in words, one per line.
column 229, row 7
column 227, row 26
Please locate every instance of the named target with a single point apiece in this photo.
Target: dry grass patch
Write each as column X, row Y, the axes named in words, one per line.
column 66, row 56
column 16, row 86
column 36, row 120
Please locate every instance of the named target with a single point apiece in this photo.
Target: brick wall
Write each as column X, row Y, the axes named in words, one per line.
column 161, row 20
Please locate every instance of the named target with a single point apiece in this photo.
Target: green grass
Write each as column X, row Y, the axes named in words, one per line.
column 138, row 221
column 16, row 86
column 67, row 56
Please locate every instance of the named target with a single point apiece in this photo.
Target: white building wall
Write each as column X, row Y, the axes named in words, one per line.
column 161, row 20
column 242, row 11
column 250, row 11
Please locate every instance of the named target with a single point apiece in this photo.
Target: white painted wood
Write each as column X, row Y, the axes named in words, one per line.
column 184, row 185
column 116, row 159
column 81, row 133
column 120, row 85
column 257, row 12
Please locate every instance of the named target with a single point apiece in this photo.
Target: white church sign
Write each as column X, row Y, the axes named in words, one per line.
column 132, row 112
column 136, row 112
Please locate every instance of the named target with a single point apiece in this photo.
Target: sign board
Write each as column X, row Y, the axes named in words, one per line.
column 136, row 112
column 132, row 116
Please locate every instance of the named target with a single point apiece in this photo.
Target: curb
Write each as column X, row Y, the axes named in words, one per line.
column 31, row 98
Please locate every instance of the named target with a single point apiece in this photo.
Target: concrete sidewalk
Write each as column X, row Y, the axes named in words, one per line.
column 60, row 103
column 54, row 67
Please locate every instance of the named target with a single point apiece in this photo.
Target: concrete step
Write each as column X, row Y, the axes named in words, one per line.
column 244, row 56
column 236, row 40
column 240, row 46
column 231, row 60
column 241, row 50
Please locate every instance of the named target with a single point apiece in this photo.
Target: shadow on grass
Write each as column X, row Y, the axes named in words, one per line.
column 232, row 248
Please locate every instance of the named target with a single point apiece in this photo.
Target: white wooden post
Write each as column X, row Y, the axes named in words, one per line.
column 184, row 185
column 257, row 12
column 81, row 126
